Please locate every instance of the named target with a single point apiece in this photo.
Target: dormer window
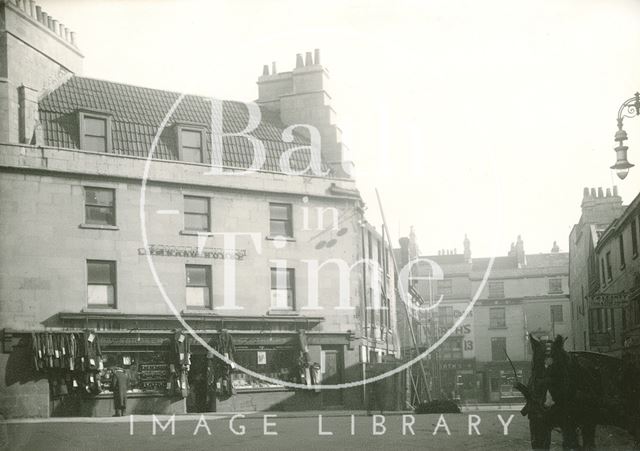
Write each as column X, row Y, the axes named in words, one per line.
column 191, row 144
column 95, row 132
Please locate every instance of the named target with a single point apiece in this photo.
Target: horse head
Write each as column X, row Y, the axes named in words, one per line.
column 550, row 376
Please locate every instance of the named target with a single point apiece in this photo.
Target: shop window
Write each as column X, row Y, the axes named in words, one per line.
column 280, row 223
column 634, row 238
column 282, row 288
column 497, row 318
column 621, row 246
column 608, row 261
column 148, row 371
column 281, row 364
column 198, row 286
column 507, row 384
column 498, row 347
column 496, row 289
column 445, row 287
column 95, row 132
column 191, row 145
column 196, row 213
column 99, row 206
column 101, row 284
column 556, row 314
column 555, row 285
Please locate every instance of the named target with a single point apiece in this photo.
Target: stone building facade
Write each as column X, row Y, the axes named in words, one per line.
column 598, row 209
column 102, row 244
column 614, row 307
column 523, row 293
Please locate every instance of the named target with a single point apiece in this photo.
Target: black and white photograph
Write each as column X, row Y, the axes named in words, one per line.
column 324, row 225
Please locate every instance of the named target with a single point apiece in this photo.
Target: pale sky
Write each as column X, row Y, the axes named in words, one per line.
column 478, row 117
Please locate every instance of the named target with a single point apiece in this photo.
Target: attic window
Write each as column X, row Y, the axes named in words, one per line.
column 191, row 144
column 95, row 132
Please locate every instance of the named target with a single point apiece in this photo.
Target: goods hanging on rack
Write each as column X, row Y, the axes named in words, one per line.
column 71, row 361
column 224, row 346
column 179, row 370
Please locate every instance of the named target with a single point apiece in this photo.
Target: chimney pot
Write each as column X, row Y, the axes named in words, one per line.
column 593, row 192
column 316, row 56
column 72, row 35
column 32, row 8
column 585, row 192
column 273, row 68
column 66, row 33
column 39, row 13
column 54, row 26
column 299, row 62
column 600, row 193
column 49, row 22
column 615, row 190
column 308, row 61
column 608, row 192
column 265, row 69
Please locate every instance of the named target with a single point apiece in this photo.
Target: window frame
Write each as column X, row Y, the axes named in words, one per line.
column 501, row 351
column 191, row 128
column 291, row 280
column 446, row 316
column 552, row 280
column 623, row 261
column 82, row 115
column 498, row 324
column 551, row 315
column 288, row 221
column 494, row 283
column 209, row 286
column 449, row 350
column 607, row 258
column 113, row 207
column 113, row 273
column 185, row 213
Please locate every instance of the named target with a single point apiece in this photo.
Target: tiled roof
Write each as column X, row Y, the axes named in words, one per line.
column 137, row 113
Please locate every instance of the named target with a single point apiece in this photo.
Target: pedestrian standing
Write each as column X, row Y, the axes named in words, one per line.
column 120, row 385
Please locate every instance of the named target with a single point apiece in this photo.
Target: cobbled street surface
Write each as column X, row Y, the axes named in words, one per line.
column 293, row 433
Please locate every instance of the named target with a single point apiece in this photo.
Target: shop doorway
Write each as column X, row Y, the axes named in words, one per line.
column 332, row 368
column 199, row 397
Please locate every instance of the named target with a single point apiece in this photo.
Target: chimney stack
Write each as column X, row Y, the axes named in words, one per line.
column 41, row 35
column 520, row 255
column 467, row 249
column 300, row 97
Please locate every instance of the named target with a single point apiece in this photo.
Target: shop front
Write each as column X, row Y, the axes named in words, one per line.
column 459, row 380
column 499, row 381
column 164, row 370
